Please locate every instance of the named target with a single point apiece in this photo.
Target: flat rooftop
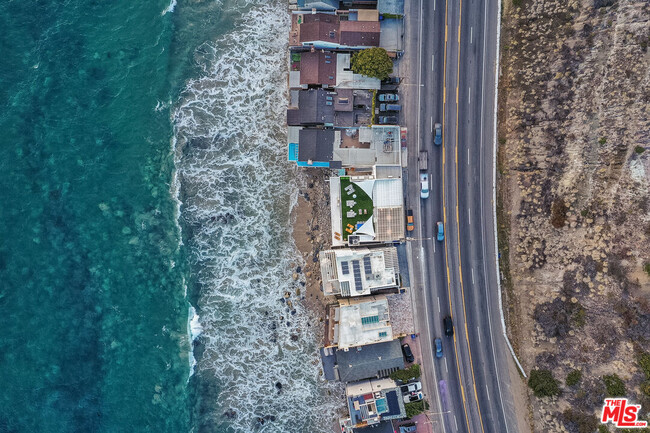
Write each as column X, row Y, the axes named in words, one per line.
column 376, row 269
column 363, row 321
column 370, row 146
column 375, row 400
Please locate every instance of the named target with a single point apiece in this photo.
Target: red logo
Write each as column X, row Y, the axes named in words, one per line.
column 621, row 414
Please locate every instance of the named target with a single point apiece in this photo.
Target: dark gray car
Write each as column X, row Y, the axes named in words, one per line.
column 388, row 120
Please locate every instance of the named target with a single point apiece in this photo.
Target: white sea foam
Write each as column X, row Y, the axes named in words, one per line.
column 194, row 324
column 237, row 189
column 170, row 8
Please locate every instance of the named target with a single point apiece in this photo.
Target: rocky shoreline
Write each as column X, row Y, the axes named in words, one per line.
column 311, row 233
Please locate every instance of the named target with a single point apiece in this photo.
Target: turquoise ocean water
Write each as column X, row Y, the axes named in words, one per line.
column 143, row 169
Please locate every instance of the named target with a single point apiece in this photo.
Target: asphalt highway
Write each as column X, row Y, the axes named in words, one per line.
column 451, row 49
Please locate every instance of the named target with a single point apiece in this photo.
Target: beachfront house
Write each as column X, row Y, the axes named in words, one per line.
column 327, row 31
column 338, row 108
column 372, row 361
column 371, row 402
column 327, row 69
column 363, row 149
column 357, row 322
column 358, row 272
column 367, row 209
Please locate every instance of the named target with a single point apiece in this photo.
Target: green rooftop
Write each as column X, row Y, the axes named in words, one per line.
column 355, row 203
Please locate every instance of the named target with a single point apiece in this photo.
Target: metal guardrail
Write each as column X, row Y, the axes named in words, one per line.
column 494, row 192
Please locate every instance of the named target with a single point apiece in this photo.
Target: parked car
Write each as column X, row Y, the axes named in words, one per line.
column 409, row 220
column 437, row 138
column 424, row 185
column 416, row 396
column 408, row 428
column 388, row 120
column 392, row 80
column 389, row 107
column 408, row 355
column 388, row 97
column 411, row 387
column 440, row 230
column 449, row 326
column 438, row 344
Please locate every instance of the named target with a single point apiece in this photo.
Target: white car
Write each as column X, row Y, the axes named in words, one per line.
column 424, row 185
column 416, row 396
column 411, row 387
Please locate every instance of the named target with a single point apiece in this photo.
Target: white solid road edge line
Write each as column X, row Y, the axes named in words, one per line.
column 494, row 191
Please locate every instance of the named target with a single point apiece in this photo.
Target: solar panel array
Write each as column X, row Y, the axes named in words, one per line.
column 366, row 266
column 345, row 268
column 356, row 269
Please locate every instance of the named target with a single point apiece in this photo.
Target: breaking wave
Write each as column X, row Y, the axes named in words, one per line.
column 257, row 362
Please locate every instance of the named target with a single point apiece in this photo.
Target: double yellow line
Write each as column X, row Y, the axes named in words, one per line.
column 460, row 270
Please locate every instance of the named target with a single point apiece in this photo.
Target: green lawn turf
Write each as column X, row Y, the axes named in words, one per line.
column 363, row 202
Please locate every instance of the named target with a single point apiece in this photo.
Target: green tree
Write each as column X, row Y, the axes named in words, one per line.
column 415, row 408
column 543, row 383
column 408, row 374
column 372, row 62
column 615, row 385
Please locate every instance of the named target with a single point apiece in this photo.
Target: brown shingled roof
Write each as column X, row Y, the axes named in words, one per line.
column 320, row 27
column 318, row 68
column 360, row 33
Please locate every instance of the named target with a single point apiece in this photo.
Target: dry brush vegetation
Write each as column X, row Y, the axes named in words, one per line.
column 574, row 201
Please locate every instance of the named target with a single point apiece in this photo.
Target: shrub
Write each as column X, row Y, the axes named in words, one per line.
column 517, row 3
column 558, row 213
column 573, row 378
column 415, row 408
column 584, row 423
column 579, row 317
column 644, row 361
column 543, row 383
column 639, row 149
column 646, row 268
column 408, row 374
column 602, row 429
column 614, row 385
column 645, row 388
column 602, row 140
column 372, row 62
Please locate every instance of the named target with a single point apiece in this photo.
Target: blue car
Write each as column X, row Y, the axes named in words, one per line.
column 438, row 348
column 441, row 231
column 437, row 138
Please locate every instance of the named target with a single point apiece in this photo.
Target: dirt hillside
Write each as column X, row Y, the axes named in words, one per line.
column 574, row 202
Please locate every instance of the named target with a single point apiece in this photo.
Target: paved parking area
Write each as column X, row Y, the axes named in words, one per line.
column 421, row 422
column 414, row 343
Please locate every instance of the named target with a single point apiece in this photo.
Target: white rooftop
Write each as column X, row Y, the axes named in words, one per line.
column 363, row 322
column 381, row 143
column 358, row 272
column 294, row 80
column 363, row 387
